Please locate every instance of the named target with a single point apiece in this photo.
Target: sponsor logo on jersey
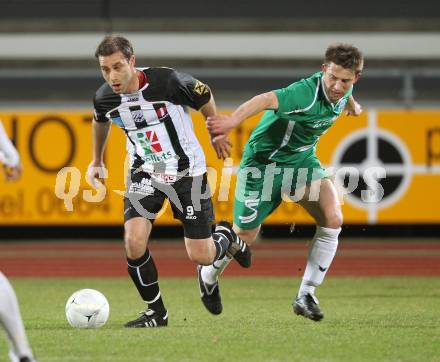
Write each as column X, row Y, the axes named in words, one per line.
column 200, row 88
column 133, row 99
column 149, row 142
column 155, row 145
column 153, row 152
column 155, row 158
column 324, row 123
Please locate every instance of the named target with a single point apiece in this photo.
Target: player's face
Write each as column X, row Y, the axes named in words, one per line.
column 119, row 72
column 337, row 80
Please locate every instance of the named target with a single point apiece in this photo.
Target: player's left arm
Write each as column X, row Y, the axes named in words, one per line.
column 186, row 90
column 222, row 145
column 9, row 157
column 353, row 108
column 222, row 124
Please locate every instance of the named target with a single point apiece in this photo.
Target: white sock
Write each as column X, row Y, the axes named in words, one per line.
column 11, row 321
column 322, row 250
column 210, row 273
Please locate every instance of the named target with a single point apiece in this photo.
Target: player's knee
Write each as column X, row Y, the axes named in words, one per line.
column 334, row 220
column 200, row 259
column 135, row 244
column 198, row 256
column 200, row 251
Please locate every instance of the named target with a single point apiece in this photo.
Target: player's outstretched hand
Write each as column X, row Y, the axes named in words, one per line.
column 96, row 173
column 353, row 108
column 222, row 146
column 220, row 124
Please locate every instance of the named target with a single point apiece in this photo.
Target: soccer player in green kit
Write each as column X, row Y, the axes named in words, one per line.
column 279, row 158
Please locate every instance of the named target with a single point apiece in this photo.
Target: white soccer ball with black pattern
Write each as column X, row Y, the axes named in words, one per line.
column 87, row 308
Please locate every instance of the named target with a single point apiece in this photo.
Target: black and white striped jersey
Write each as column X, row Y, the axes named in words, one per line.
column 160, row 134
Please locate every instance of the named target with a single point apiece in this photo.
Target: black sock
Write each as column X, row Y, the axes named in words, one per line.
column 230, row 234
column 143, row 272
column 221, row 245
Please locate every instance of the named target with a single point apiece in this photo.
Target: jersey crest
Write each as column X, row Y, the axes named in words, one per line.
column 200, row 88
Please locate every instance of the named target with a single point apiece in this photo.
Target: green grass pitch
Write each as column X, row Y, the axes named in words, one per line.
column 366, row 319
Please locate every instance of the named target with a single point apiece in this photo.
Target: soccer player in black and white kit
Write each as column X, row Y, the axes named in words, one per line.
column 166, row 161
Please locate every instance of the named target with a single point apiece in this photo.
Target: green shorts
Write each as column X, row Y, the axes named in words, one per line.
column 261, row 186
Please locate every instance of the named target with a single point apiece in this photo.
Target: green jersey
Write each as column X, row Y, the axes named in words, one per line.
column 303, row 115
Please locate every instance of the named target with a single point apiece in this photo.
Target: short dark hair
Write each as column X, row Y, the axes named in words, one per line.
column 112, row 44
column 345, row 55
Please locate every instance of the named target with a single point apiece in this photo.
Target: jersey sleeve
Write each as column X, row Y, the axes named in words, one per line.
column 183, row 89
column 293, row 98
column 98, row 110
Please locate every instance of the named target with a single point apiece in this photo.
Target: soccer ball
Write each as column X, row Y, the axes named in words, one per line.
column 87, row 308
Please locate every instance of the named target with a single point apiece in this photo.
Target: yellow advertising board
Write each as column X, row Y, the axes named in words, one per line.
column 47, row 142
column 405, row 143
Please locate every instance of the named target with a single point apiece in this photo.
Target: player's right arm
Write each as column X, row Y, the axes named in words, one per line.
column 100, row 132
column 222, row 124
column 96, row 169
